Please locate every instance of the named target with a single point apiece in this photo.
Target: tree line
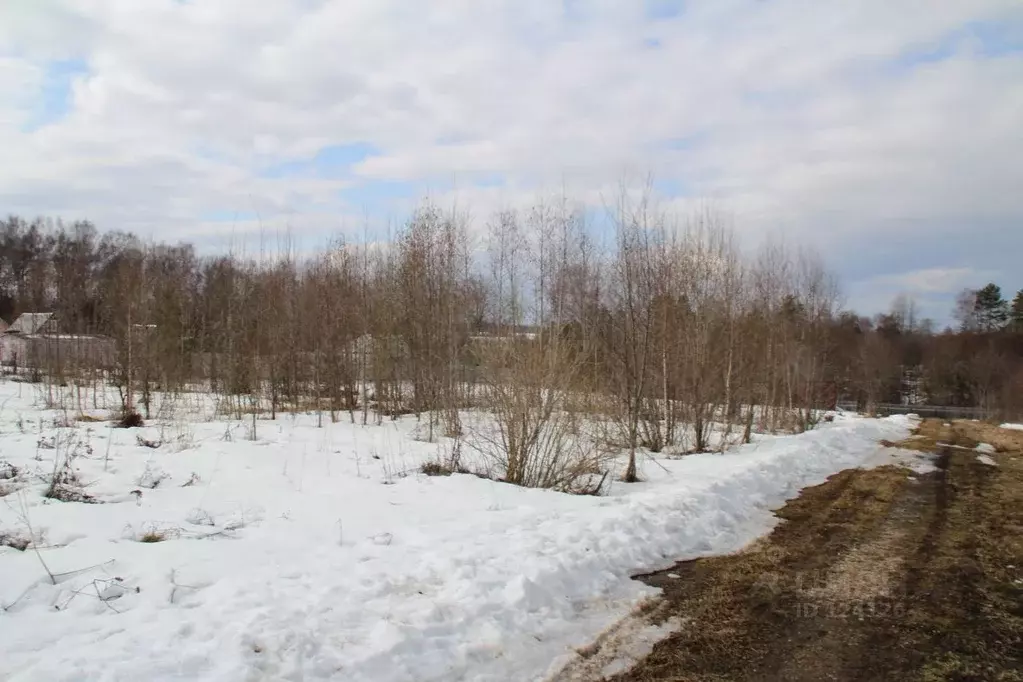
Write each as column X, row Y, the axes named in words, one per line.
column 976, row 363
column 658, row 323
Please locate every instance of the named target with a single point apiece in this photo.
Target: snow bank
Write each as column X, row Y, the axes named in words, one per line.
column 317, row 554
column 1014, row 427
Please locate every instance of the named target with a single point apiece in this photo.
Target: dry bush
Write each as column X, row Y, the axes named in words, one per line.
column 14, row 540
column 8, row 471
column 152, row 532
column 435, row 469
column 200, row 517
column 146, row 443
column 152, row 477
column 8, row 478
column 151, row 536
column 534, row 439
column 65, row 484
column 130, row 420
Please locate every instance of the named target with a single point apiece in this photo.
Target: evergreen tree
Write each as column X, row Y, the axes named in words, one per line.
column 1016, row 315
column 991, row 309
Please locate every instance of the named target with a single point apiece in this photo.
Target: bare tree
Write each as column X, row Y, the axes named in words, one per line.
column 629, row 341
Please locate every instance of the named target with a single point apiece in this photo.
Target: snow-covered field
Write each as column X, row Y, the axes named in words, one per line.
column 323, row 554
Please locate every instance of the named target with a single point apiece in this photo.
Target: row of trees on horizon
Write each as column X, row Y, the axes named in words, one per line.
column 668, row 327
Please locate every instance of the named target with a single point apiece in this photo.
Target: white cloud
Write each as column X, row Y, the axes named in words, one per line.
column 933, row 289
column 929, row 280
column 839, row 123
column 19, row 81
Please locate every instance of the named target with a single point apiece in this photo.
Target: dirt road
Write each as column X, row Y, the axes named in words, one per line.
column 875, row 575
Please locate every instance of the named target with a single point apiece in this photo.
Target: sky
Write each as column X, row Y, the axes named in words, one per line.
column 886, row 134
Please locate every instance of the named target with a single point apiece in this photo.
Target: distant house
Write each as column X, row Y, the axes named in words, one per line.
column 35, row 340
column 16, row 338
column 31, row 323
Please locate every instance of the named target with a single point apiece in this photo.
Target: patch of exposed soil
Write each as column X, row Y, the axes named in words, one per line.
column 875, row 575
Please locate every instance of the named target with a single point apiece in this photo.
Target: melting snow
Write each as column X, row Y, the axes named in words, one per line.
column 322, row 554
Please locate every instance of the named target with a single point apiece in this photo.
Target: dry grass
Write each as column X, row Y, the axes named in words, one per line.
column 930, row 435
column 1004, row 440
column 976, row 568
column 933, row 433
column 305, row 405
column 435, row 469
column 16, row 541
column 868, row 571
column 8, row 471
column 739, row 604
column 874, row 575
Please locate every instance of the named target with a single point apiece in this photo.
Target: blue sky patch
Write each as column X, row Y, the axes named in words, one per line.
column 227, row 216
column 330, row 162
column 55, row 98
column 669, row 187
column 663, row 9
column 381, row 197
column 684, row 143
column 983, row 39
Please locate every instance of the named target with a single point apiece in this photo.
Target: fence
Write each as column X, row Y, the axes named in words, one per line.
column 936, row 411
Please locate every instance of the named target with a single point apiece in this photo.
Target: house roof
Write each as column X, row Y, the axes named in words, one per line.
column 3, row 326
column 29, row 323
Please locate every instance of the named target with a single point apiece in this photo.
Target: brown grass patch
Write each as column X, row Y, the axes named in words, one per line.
column 743, row 610
column 151, row 536
column 310, row 405
column 930, row 435
column 16, row 541
column 873, row 575
column 1004, row 440
column 868, row 571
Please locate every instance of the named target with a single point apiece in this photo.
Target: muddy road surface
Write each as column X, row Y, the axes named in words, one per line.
column 879, row 574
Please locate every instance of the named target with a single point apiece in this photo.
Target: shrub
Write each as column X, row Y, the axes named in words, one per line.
column 435, row 469
column 151, row 532
column 200, row 517
column 152, row 477
column 145, row 443
column 14, row 541
column 151, row 536
column 130, row 420
column 7, row 471
column 537, row 443
column 64, row 482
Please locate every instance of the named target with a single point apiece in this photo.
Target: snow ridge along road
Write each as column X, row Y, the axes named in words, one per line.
column 289, row 558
